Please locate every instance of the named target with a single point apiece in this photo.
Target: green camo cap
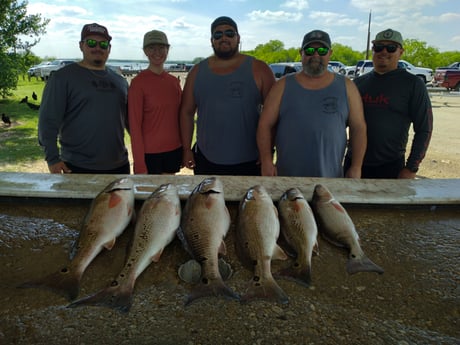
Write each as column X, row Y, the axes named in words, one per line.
column 389, row 35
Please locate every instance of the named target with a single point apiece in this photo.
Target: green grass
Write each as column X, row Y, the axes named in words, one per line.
column 19, row 143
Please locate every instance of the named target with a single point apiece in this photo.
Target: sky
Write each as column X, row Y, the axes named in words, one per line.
column 187, row 23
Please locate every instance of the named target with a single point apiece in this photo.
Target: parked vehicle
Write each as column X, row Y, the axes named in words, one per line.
column 441, row 71
column 46, row 71
column 280, row 69
column 34, row 71
column 350, row 71
column 337, row 66
column 451, row 80
column 426, row 74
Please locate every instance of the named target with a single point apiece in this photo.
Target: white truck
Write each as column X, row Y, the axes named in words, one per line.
column 47, row 70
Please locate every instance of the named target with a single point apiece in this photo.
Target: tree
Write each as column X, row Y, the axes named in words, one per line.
column 14, row 50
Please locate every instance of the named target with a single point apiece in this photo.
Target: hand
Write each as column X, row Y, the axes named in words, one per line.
column 59, row 168
column 406, row 173
column 353, row 172
column 188, row 160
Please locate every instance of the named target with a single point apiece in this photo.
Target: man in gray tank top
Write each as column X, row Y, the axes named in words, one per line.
column 227, row 91
column 306, row 116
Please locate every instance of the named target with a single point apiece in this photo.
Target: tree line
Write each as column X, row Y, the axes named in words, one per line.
column 16, row 56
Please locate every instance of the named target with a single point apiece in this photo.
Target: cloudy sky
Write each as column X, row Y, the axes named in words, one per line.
column 187, row 23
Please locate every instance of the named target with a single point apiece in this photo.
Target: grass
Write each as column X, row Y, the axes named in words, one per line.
column 19, row 143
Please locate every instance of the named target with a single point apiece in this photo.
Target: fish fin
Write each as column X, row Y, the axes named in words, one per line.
column 316, row 248
column 114, row 200
column 109, row 244
column 116, row 297
column 266, row 289
column 156, row 257
column 278, row 253
column 62, row 282
column 222, row 248
column 296, row 272
column 210, row 288
column 362, row 264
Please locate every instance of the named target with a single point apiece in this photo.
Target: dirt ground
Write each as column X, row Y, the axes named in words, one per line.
column 442, row 159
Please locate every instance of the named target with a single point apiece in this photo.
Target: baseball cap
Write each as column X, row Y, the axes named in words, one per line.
column 155, row 37
column 316, row 36
column 223, row 21
column 95, row 29
column 389, row 35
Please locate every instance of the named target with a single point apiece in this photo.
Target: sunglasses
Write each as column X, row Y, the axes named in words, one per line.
column 391, row 48
column 217, row 35
column 310, row 51
column 93, row 43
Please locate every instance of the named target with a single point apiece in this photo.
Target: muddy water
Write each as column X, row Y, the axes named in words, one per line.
column 416, row 300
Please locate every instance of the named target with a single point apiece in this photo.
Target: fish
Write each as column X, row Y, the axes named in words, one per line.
column 299, row 229
column 336, row 226
column 156, row 225
column 110, row 213
column 257, row 232
column 204, row 224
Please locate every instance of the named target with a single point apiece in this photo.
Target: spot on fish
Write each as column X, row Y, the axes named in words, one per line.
column 256, row 278
column 205, row 281
column 65, row 270
column 338, row 207
column 115, row 199
column 114, row 283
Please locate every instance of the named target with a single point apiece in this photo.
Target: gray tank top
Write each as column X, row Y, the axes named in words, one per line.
column 228, row 113
column 311, row 134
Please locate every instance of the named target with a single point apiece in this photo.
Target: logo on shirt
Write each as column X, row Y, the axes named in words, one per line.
column 330, row 105
column 379, row 100
column 236, row 89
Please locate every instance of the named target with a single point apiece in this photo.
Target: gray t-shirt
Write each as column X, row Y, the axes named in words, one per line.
column 311, row 134
column 228, row 113
column 86, row 110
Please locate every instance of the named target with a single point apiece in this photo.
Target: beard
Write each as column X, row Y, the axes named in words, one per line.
column 314, row 67
column 227, row 54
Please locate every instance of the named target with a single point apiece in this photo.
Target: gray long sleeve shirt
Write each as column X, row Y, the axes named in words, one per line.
column 86, row 111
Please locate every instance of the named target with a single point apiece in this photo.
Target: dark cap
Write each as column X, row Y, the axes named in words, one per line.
column 95, row 29
column 389, row 35
column 155, row 37
column 316, row 36
column 223, row 21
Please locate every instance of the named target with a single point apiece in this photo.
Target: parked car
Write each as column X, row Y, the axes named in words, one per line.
column 46, row 71
column 451, row 80
column 440, row 72
column 426, row 74
column 337, row 66
column 280, row 69
column 363, row 67
column 350, row 71
column 34, row 71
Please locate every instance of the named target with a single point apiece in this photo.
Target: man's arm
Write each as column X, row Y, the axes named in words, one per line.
column 357, row 130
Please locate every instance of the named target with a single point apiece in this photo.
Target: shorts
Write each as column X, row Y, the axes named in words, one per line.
column 164, row 162
column 205, row 167
column 124, row 169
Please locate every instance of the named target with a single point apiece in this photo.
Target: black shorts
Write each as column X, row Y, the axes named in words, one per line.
column 205, row 167
column 389, row 170
column 125, row 169
column 164, row 162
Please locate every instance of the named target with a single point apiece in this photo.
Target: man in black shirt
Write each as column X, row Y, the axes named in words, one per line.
column 393, row 99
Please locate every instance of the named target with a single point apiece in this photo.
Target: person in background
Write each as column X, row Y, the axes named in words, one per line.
column 227, row 90
column 84, row 107
column 306, row 116
column 393, row 100
column 154, row 98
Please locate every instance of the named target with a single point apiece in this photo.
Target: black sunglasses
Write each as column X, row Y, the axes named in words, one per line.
column 310, row 51
column 391, row 48
column 93, row 43
column 217, row 35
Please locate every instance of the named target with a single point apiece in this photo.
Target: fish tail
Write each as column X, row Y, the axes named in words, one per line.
column 208, row 288
column 297, row 273
column 115, row 297
column 63, row 282
column 266, row 289
column 362, row 264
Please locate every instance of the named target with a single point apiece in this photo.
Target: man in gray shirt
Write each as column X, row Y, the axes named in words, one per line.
column 85, row 107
